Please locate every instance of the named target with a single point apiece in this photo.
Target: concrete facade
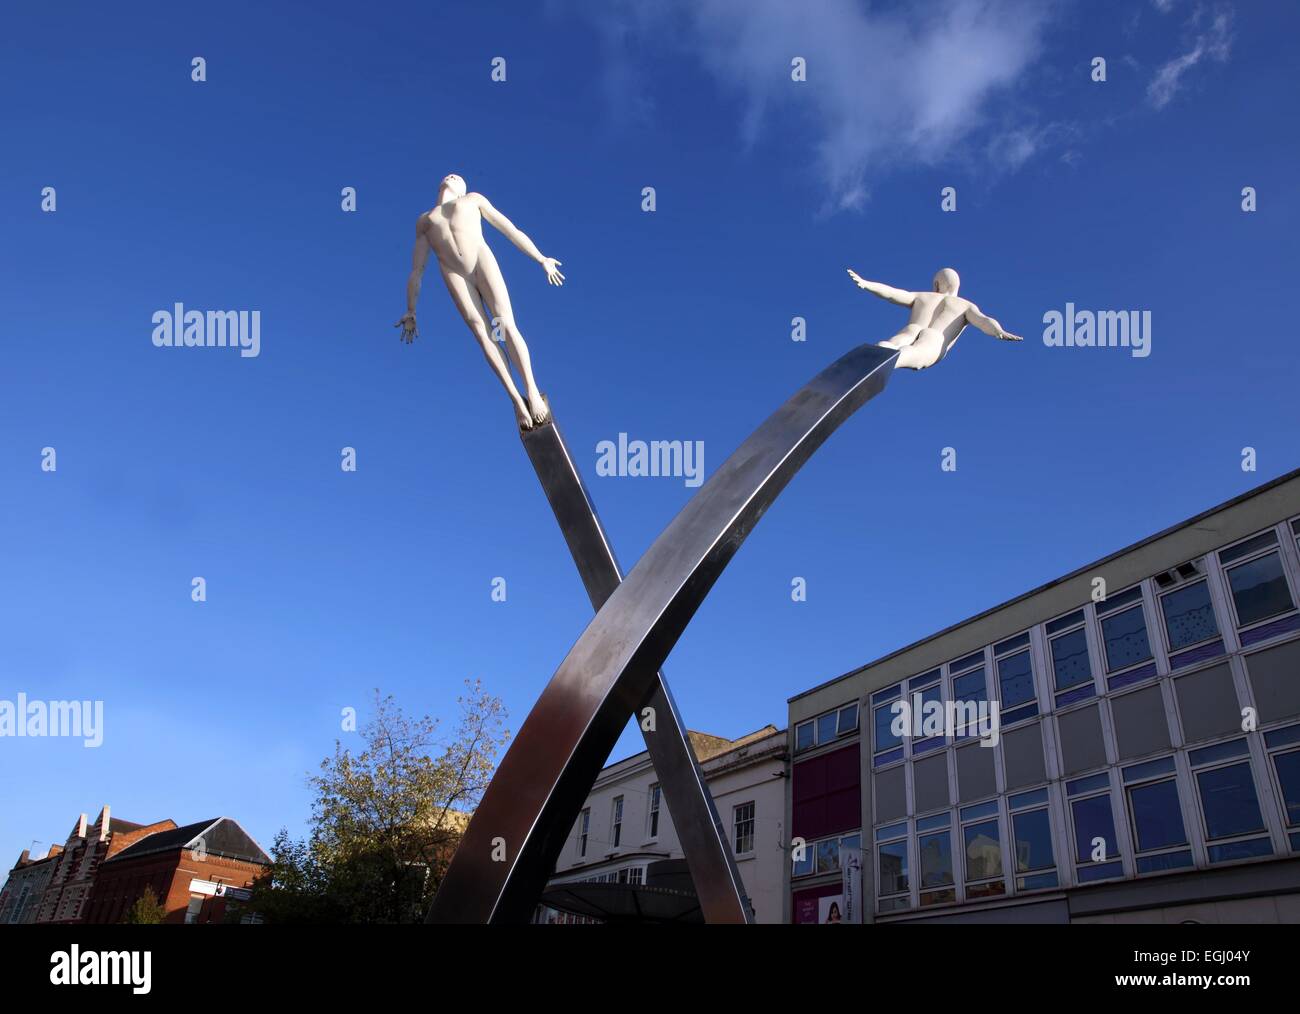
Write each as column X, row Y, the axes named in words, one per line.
column 1147, row 767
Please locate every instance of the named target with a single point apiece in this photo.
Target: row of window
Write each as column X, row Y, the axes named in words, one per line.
column 1113, row 632
column 1205, row 802
column 742, row 824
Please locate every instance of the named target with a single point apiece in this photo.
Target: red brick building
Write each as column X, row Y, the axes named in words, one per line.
column 73, row 874
column 20, row 899
column 199, row 872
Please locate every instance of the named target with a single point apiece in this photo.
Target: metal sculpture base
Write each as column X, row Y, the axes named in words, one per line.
column 521, row 824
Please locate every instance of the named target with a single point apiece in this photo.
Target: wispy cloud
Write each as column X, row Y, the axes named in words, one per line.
column 884, row 89
column 1214, row 43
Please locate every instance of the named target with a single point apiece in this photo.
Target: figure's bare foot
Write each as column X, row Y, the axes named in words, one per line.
column 523, row 416
column 541, row 411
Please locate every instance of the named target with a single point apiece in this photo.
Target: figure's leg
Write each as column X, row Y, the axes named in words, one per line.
column 924, row 352
column 492, row 287
column 464, row 296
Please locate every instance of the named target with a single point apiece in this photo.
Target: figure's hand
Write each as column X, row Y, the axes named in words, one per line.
column 551, row 266
column 1007, row 336
column 857, row 279
column 409, row 330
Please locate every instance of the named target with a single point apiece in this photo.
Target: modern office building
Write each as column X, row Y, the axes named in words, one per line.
column 623, row 861
column 1146, row 767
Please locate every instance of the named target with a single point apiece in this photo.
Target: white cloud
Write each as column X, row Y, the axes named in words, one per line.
column 1214, row 43
column 884, row 90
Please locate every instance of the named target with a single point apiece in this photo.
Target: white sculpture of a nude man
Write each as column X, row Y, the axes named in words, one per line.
column 938, row 318
column 454, row 232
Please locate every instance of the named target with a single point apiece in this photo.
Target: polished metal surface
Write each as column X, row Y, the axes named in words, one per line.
column 529, row 809
column 700, row 830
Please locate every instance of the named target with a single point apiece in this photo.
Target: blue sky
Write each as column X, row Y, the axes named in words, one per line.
column 225, row 194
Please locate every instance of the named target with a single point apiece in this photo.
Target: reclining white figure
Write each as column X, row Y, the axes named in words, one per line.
column 938, row 319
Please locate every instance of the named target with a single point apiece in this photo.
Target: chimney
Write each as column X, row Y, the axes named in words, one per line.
column 81, row 827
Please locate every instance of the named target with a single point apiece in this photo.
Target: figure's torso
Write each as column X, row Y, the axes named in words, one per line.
column 941, row 312
column 455, row 234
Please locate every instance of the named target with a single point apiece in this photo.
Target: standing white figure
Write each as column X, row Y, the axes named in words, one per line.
column 938, row 319
column 454, row 232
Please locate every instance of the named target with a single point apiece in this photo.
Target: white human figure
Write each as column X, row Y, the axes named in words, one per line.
column 454, row 232
column 938, row 318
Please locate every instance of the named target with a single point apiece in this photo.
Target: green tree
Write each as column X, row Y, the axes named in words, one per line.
column 146, row 909
column 386, row 818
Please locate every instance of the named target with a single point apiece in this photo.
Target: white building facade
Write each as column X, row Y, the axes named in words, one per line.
column 625, row 825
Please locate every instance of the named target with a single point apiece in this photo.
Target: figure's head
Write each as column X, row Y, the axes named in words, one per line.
column 453, row 183
column 946, row 281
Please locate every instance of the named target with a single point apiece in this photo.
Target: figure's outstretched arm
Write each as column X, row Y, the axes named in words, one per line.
column 988, row 325
column 512, row 232
column 900, row 296
column 419, row 257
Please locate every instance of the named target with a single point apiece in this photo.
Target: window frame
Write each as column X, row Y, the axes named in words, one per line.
column 1161, row 595
column 655, row 794
column 1142, row 774
column 1273, row 548
column 616, row 822
column 1242, row 837
column 737, row 821
column 1029, row 807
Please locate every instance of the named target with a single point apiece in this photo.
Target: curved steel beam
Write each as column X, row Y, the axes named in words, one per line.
column 528, row 810
column 704, row 839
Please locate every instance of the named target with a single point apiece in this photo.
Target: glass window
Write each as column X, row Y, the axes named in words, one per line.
column 743, row 827
column 584, row 825
column 1033, row 841
column 1070, row 663
column 1157, row 818
column 1259, row 589
column 969, row 688
column 848, row 719
column 936, row 859
column 1016, row 679
column 1229, row 802
column 655, row 796
column 1093, row 819
column 1287, row 766
column 883, row 719
column 919, row 715
column 1125, row 638
column 893, row 867
column 828, row 855
column 803, row 736
column 983, row 850
column 804, row 864
column 1189, row 616
column 1261, row 541
column 826, row 728
column 617, row 822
